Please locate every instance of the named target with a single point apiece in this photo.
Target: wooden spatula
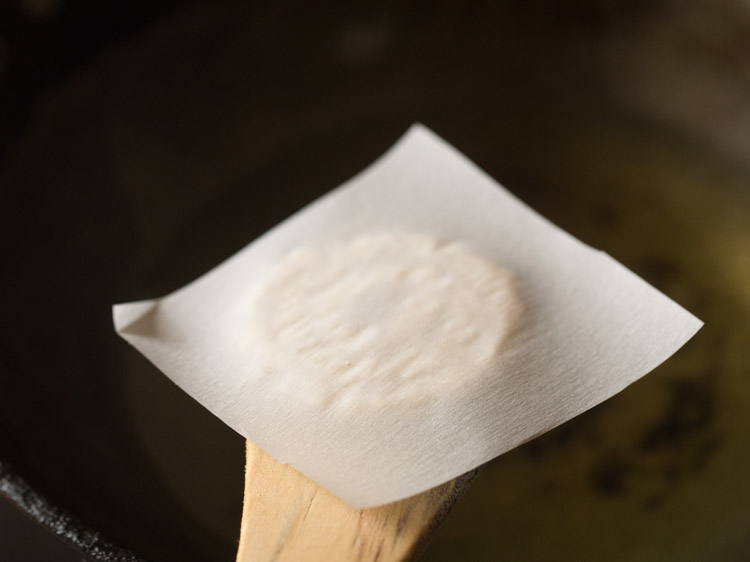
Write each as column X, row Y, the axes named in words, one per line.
column 288, row 517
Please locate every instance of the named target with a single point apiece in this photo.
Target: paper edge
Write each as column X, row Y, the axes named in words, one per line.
column 127, row 315
column 691, row 327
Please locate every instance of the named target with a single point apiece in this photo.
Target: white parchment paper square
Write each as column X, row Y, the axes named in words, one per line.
column 591, row 327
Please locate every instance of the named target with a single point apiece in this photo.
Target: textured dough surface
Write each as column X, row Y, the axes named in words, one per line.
column 382, row 320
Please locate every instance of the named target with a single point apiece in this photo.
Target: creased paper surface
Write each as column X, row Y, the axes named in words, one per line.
column 590, row 327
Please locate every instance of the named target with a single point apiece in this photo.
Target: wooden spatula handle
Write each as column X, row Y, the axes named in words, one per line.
column 288, row 517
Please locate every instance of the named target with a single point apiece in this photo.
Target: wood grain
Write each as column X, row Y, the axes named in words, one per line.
column 288, row 517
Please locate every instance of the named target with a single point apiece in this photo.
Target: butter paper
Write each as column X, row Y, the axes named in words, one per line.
column 590, row 327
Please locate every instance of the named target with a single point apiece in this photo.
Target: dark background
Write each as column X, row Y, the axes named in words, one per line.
column 141, row 143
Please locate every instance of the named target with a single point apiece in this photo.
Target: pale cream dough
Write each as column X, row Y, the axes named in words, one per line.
column 382, row 320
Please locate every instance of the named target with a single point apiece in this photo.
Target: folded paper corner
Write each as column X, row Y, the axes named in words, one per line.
column 127, row 315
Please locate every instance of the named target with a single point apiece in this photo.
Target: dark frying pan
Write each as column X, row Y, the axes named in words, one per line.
column 185, row 133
